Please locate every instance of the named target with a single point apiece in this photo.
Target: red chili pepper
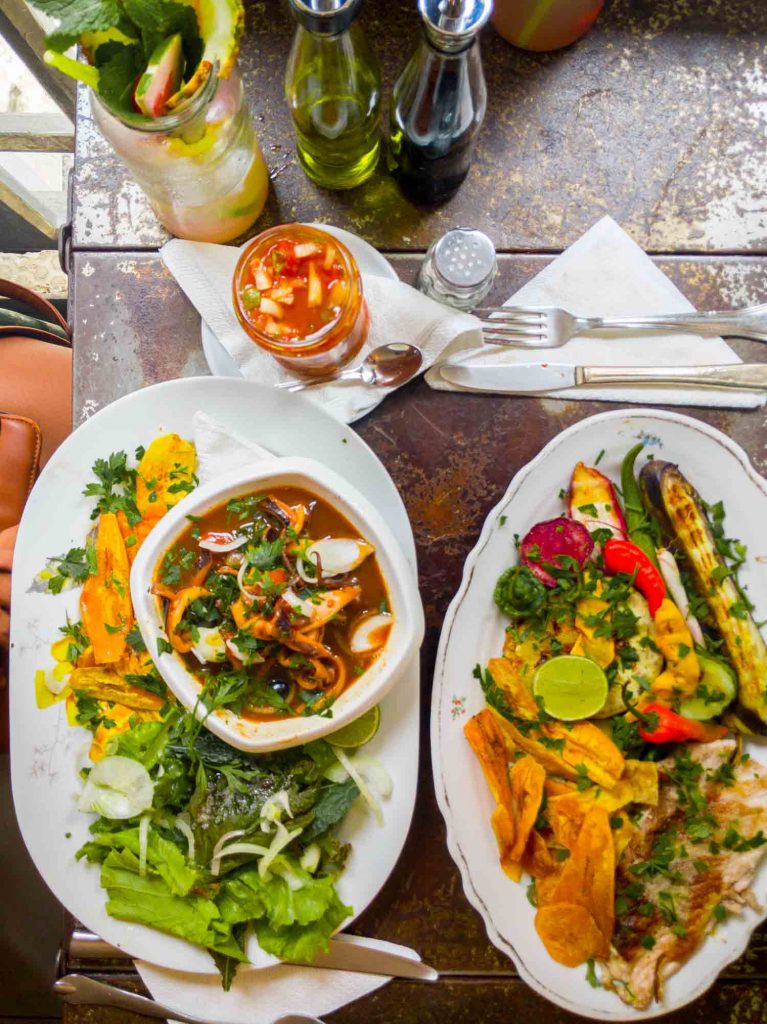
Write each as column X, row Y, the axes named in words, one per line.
column 674, row 728
column 623, row 556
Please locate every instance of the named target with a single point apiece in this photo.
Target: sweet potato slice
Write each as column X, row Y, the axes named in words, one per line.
column 569, row 933
column 588, row 876
column 165, row 475
column 488, row 743
column 106, row 684
column 105, row 600
column 526, row 778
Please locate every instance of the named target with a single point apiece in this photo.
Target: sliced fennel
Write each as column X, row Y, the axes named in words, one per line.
column 117, row 788
column 362, row 770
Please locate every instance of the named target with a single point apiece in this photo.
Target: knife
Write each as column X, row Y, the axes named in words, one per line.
column 537, row 377
column 347, row 953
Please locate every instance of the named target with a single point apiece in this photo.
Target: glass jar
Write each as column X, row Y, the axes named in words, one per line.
column 541, row 25
column 201, row 167
column 272, row 294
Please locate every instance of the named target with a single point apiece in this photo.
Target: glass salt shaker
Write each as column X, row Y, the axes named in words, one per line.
column 459, row 269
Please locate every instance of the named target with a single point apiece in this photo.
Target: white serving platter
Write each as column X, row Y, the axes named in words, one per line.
column 473, row 632
column 46, row 753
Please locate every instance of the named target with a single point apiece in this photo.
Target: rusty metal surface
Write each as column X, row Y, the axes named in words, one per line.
column 657, row 117
column 451, row 456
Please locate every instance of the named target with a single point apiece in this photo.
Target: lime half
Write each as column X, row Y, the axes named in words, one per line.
column 360, row 731
column 570, row 687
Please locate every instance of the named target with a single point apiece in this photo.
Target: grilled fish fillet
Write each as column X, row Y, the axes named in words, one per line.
column 690, row 861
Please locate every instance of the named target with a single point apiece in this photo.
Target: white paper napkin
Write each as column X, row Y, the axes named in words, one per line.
column 397, row 313
column 256, row 996
column 263, row 996
column 605, row 273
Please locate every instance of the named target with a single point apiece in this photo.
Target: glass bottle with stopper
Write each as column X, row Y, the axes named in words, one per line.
column 439, row 101
column 333, row 88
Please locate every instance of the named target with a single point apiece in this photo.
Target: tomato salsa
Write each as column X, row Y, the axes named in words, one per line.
column 276, row 596
column 298, row 293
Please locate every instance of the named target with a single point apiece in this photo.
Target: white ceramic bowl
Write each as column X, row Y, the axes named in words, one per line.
column 404, row 638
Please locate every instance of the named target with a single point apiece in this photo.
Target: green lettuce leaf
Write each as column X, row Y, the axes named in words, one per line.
column 149, row 901
column 163, row 857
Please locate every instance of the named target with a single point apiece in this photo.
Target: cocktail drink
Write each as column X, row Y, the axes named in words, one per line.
column 200, row 166
column 166, row 94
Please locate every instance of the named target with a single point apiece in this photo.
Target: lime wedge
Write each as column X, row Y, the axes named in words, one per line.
column 570, row 687
column 360, row 731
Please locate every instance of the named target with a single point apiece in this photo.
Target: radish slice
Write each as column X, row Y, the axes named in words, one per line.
column 217, row 542
column 339, row 555
column 371, row 633
column 546, row 544
column 314, row 296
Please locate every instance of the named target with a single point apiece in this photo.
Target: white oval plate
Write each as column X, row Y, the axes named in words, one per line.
column 46, row 753
column 369, row 260
column 473, row 632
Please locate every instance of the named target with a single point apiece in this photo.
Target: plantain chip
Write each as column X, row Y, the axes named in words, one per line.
column 569, row 933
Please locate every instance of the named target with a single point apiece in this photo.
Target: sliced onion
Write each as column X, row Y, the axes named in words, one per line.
column 215, row 860
column 118, row 788
column 143, row 842
column 301, row 562
column 365, row 792
column 339, row 555
column 670, row 572
column 183, row 826
column 370, row 633
column 212, row 545
column 275, row 806
column 230, row 851
column 310, row 858
column 282, row 839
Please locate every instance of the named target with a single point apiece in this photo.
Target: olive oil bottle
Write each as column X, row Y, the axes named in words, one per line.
column 333, row 88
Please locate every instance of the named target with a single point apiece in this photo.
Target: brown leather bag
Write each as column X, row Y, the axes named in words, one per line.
column 21, row 437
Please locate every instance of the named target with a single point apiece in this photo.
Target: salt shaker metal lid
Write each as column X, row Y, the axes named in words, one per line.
column 452, row 25
column 325, row 17
column 464, row 259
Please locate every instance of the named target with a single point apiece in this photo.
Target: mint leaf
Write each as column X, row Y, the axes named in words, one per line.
column 75, row 18
column 119, row 67
column 158, row 19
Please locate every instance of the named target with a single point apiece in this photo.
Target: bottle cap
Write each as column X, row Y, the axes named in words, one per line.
column 452, row 25
column 465, row 259
column 325, row 17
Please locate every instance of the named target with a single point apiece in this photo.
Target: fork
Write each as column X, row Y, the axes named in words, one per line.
column 550, row 327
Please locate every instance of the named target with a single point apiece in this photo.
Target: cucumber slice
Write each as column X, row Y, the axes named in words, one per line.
column 718, row 686
column 162, row 77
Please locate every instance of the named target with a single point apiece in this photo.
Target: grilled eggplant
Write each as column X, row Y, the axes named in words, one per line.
column 678, row 507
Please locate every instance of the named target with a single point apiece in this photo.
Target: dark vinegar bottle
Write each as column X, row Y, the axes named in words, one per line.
column 439, row 102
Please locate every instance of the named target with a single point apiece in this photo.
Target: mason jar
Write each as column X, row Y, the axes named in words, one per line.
column 200, row 166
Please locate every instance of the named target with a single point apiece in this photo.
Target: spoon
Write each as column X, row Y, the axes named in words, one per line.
column 387, row 366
